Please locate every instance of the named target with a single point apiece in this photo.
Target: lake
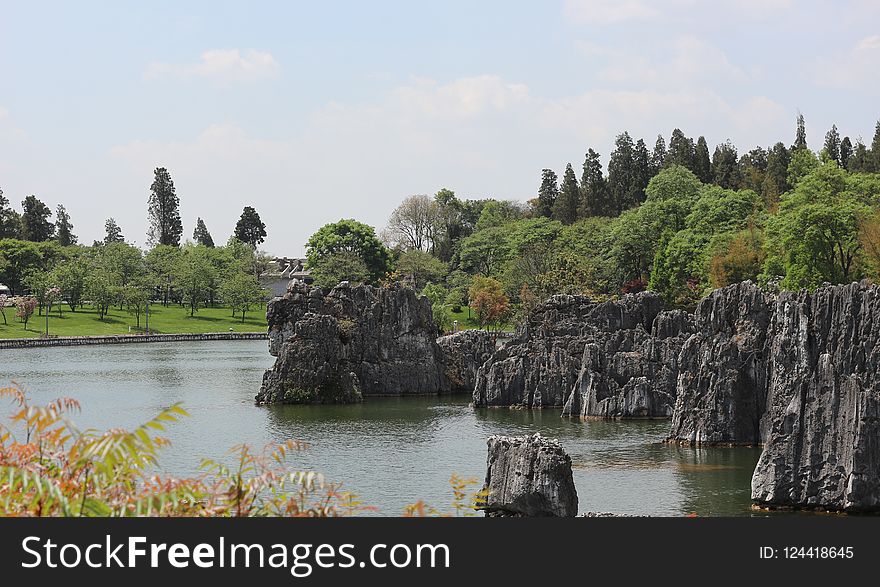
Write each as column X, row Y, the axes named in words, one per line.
column 390, row 451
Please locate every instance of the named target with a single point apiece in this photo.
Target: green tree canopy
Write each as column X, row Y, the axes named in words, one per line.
column 353, row 237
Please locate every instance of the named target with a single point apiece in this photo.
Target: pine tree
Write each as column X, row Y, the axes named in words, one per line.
column 113, row 234
column 566, row 206
column 860, row 162
column 63, row 227
column 874, row 159
column 658, row 156
column 776, row 177
column 163, row 209
column 35, row 225
column 249, row 228
column 641, row 170
column 800, row 138
column 725, row 166
column 832, row 143
column 548, row 192
column 10, row 220
column 702, row 163
column 201, row 234
column 681, row 150
column 846, row 152
column 621, row 175
column 593, row 189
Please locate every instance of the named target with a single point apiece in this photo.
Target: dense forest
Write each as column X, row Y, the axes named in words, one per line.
column 673, row 219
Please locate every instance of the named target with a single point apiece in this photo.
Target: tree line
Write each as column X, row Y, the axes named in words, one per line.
column 674, row 219
column 44, row 261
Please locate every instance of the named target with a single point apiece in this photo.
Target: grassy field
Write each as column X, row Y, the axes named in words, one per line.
column 170, row 320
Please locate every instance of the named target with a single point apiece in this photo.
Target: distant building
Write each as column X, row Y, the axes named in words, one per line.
column 282, row 272
column 4, row 289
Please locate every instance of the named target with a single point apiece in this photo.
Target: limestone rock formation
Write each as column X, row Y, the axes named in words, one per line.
column 822, row 422
column 528, row 476
column 592, row 359
column 354, row 341
column 721, row 390
column 464, row 353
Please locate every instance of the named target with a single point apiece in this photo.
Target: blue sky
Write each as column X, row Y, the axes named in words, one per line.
column 316, row 111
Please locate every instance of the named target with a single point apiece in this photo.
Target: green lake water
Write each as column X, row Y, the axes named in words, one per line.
column 389, row 451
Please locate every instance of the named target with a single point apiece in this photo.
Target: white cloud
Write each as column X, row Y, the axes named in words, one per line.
column 221, row 65
column 691, row 61
column 604, row 12
column 607, row 11
column 481, row 136
column 855, row 69
column 869, row 43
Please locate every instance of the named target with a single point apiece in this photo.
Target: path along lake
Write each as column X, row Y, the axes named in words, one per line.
column 390, row 451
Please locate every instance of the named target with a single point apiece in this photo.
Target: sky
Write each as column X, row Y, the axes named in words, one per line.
column 316, row 111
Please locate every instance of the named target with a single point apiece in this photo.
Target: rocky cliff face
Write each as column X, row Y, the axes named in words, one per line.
column 821, row 426
column 528, row 476
column 464, row 353
column 605, row 359
column 352, row 342
column 722, row 369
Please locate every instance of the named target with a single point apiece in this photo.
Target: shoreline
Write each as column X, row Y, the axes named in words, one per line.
column 18, row 343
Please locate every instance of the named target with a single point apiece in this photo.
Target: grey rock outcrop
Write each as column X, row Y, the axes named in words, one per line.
column 528, row 476
column 721, row 390
column 605, row 359
column 821, row 429
column 355, row 341
column 464, row 353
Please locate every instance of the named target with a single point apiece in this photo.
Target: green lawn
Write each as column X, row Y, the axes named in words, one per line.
column 469, row 322
column 170, row 320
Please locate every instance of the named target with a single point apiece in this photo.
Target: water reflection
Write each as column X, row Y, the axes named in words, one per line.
column 391, row 451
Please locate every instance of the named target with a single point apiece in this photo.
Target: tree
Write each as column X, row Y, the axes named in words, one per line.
column 349, row 236
column 800, row 138
column 10, row 220
column 846, row 152
column 113, row 234
column 332, row 269
column 201, row 235
column 594, row 192
column 101, row 291
column 163, row 210
column 4, row 299
column 414, row 223
column 63, row 227
column 725, row 166
column 241, row 292
column 622, row 180
column 24, row 308
column 452, row 225
column 658, row 155
column 875, row 150
column 38, row 283
column 249, row 228
column 566, row 206
column 548, row 192
column 485, row 251
column 702, row 164
column 437, row 295
column 641, row 169
column 194, row 276
column 487, row 298
column 21, row 257
column 814, row 237
column 71, row 278
column 421, row 267
column 776, row 177
column 860, row 161
column 135, row 297
column 832, row 144
column 869, row 238
column 161, row 262
column 35, row 225
column 681, row 150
